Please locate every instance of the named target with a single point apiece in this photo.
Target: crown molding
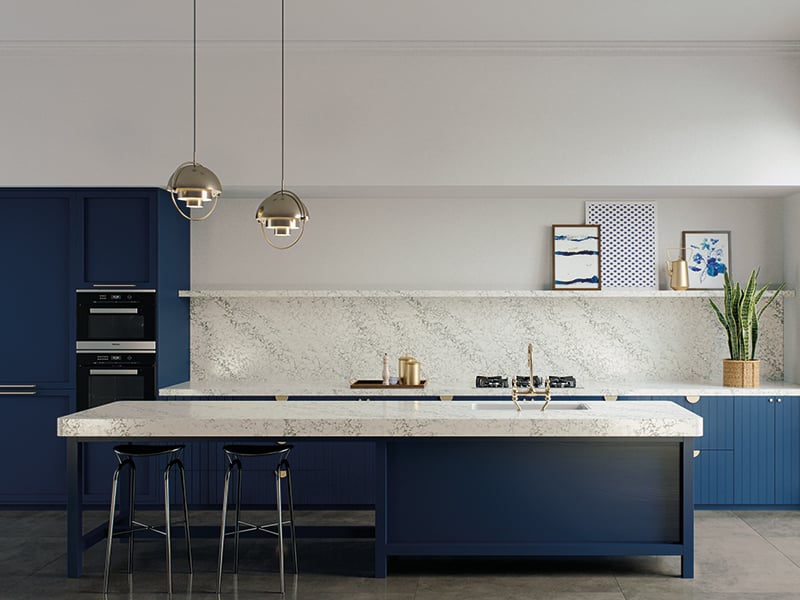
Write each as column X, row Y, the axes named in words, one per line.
column 457, row 47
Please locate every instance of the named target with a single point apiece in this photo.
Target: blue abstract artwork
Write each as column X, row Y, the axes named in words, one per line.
column 708, row 256
column 576, row 257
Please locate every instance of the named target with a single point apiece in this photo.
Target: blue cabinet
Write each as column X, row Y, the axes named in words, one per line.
column 37, row 306
column 767, row 455
column 55, row 241
column 118, row 238
column 34, row 457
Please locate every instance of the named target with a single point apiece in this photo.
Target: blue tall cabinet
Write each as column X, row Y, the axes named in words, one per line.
column 53, row 242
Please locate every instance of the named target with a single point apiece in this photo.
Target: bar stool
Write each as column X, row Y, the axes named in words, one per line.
column 125, row 455
column 233, row 453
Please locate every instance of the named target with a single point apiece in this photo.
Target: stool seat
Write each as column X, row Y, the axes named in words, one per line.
column 257, row 449
column 147, row 450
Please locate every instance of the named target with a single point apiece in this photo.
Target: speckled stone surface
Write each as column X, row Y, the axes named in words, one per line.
column 600, row 339
column 269, row 390
column 493, row 418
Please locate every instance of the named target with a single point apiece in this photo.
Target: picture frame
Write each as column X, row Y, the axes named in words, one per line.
column 576, row 257
column 708, row 256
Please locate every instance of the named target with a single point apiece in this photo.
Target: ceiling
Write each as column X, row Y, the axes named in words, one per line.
column 404, row 20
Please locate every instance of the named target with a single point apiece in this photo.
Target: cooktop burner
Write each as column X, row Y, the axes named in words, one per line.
column 497, row 381
column 493, row 381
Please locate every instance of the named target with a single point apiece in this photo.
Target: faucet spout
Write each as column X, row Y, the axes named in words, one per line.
column 529, row 391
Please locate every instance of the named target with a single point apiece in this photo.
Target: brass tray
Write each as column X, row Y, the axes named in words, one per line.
column 378, row 383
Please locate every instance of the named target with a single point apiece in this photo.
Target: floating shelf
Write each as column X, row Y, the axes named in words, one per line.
column 609, row 293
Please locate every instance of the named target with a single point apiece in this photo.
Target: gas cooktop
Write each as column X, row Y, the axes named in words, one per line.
column 498, row 381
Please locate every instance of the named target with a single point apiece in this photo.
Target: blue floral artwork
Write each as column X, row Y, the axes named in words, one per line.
column 708, row 258
column 576, row 257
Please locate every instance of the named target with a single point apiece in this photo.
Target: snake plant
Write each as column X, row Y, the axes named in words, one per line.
column 740, row 315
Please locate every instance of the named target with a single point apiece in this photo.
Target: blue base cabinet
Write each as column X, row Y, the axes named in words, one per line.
column 767, row 457
column 34, row 458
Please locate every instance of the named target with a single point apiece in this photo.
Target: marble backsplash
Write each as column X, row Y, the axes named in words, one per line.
column 339, row 338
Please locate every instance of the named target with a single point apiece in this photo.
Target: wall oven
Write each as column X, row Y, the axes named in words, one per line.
column 105, row 377
column 116, row 320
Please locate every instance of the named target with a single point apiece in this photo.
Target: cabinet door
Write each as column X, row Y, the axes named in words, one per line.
column 713, row 477
column 37, row 306
column 119, row 238
column 717, row 413
column 787, row 450
column 34, row 457
column 754, row 455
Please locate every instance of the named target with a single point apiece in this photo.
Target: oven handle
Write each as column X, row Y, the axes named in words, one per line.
column 113, row 371
column 113, row 311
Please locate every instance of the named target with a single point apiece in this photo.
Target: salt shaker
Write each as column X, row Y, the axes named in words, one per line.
column 385, row 369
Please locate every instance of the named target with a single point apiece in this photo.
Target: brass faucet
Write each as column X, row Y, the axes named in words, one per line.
column 529, row 391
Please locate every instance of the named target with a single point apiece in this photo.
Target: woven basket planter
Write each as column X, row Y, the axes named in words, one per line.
column 741, row 373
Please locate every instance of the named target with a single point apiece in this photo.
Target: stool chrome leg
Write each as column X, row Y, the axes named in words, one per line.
column 223, row 526
column 186, row 516
column 114, row 482
column 291, row 515
column 279, row 503
column 131, row 510
column 167, row 528
column 236, row 528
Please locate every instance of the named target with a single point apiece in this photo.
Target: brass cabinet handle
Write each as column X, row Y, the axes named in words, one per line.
column 445, row 398
column 281, row 398
column 693, row 399
column 610, row 398
column 696, row 453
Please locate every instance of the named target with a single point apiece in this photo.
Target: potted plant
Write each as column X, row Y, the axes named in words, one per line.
column 739, row 316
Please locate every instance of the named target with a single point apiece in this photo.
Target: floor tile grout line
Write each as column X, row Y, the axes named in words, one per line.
column 769, row 541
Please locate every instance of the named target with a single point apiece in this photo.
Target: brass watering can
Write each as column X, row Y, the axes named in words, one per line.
column 678, row 271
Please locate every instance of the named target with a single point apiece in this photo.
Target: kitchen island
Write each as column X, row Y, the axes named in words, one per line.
column 461, row 478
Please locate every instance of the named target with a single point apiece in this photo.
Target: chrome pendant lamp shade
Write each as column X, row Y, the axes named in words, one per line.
column 192, row 183
column 282, row 215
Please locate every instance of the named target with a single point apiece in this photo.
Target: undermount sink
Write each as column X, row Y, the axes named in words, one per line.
column 528, row 405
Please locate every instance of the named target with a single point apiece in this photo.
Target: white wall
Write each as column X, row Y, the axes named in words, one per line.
column 120, row 114
column 791, row 223
column 452, row 243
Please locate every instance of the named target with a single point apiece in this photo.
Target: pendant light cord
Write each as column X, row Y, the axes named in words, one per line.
column 283, row 93
column 194, row 83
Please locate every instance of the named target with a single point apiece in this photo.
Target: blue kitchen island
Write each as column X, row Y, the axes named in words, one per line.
column 460, row 478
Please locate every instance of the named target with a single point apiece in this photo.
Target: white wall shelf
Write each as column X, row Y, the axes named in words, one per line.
column 608, row 293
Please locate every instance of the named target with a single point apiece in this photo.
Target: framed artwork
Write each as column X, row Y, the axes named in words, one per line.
column 708, row 255
column 576, row 257
column 628, row 251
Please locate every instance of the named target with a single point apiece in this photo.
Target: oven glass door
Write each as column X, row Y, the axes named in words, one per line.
column 116, row 316
column 110, row 385
column 115, row 324
column 104, row 378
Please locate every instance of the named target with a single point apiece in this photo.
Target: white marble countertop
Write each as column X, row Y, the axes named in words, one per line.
column 383, row 293
column 434, row 390
column 388, row 418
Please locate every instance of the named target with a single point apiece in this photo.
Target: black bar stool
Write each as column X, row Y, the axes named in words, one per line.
column 125, row 455
column 233, row 453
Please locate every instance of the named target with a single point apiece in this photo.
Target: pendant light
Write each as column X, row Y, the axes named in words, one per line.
column 191, row 182
column 283, row 212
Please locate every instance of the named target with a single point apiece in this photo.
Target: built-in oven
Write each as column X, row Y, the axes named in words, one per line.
column 105, row 377
column 115, row 320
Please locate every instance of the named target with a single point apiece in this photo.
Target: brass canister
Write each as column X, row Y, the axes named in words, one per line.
column 401, row 368
column 412, row 372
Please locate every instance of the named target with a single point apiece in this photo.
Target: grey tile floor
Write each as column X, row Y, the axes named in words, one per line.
column 746, row 555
